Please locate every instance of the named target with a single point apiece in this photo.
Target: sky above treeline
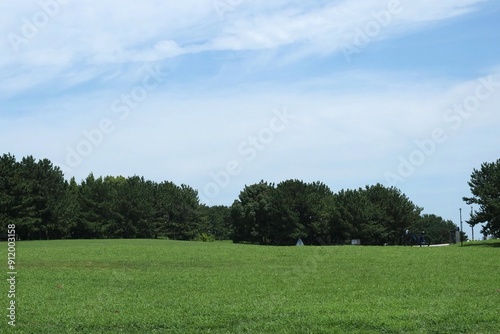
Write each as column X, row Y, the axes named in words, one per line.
column 219, row 94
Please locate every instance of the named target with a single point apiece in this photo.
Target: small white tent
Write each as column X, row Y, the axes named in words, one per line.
column 299, row 242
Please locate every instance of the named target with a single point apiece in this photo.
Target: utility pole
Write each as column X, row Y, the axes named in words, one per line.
column 472, row 226
column 461, row 229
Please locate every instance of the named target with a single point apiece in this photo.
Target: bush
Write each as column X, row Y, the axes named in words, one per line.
column 205, row 237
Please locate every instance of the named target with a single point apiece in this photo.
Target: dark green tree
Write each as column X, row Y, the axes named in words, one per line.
column 393, row 212
column 10, row 198
column 485, row 188
column 31, row 194
column 355, row 218
column 300, row 211
column 251, row 214
column 435, row 227
column 164, row 197
column 176, row 212
column 71, row 209
column 132, row 201
column 187, row 212
column 99, row 216
column 215, row 221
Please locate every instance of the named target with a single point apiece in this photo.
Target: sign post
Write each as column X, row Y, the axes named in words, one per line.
column 461, row 229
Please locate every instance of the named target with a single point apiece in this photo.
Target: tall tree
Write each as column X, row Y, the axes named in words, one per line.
column 187, row 212
column 164, row 196
column 99, row 218
column 71, row 209
column 435, row 227
column 31, row 194
column 132, row 200
column 354, row 219
column 10, row 201
column 301, row 212
column 176, row 211
column 393, row 210
column 52, row 189
column 251, row 214
column 485, row 188
column 216, row 221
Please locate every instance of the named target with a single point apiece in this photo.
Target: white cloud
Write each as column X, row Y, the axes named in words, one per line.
column 333, row 138
column 328, row 28
column 79, row 33
column 160, row 51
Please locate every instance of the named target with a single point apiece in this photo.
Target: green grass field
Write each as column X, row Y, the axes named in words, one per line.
column 160, row 286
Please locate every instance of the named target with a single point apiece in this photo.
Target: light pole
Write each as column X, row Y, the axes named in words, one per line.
column 461, row 229
column 472, row 226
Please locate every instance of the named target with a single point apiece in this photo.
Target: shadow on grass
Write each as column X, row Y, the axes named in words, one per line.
column 487, row 243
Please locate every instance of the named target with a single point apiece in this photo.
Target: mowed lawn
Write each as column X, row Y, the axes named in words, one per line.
column 161, row 286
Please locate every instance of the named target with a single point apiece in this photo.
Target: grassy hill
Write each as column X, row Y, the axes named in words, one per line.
column 160, row 286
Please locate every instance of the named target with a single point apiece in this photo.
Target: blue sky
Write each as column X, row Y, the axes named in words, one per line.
column 222, row 93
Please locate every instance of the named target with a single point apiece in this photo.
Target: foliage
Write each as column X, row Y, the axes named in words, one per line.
column 293, row 209
column 392, row 210
column 485, row 188
column 216, row 221
column 436, row 228
column 251, row 214
column 279, row 215
column 36, row 198
column 204, row 237
column 31, row 197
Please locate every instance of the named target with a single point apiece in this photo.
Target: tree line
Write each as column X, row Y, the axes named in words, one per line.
column 280, row 214
column 35, row 196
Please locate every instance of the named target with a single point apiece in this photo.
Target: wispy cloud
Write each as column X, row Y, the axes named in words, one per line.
column 78, row 35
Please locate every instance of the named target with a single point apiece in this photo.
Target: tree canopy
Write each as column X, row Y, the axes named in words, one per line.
column 485, row 188
column 35, row 196
column 279, row 215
